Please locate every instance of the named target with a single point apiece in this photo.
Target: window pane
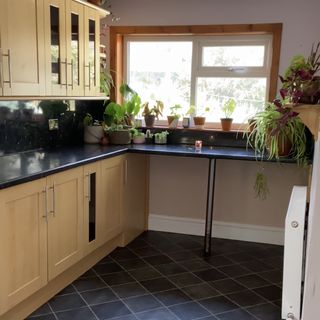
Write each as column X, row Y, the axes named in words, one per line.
column 233, row 56
column 161, row 70
column 249, row 94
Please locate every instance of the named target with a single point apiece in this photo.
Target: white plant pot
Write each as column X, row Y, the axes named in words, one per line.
column 93, row 134
column 139, row 139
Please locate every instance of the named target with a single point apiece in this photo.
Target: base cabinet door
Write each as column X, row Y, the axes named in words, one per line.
column 22, row 47
column 65, row 222
column 112, row 188
column 93, row 215
column 136, row 196
column 23, row 242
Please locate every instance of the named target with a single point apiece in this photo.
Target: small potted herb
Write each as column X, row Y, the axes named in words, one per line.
column 173, row 118
column 228, row 109
column 161, row 137
column 93, row 130
column 138, row 137
column 152, row 113
column 149, row 137
column 199, row 120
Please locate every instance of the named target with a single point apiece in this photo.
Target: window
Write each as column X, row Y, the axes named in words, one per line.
column 202, row 70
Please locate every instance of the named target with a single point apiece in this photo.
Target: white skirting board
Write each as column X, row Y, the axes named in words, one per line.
column 225, row 230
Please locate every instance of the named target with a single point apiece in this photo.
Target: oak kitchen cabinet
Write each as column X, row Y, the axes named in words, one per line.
column 49, row 48
column 22, row 65
column 103, row 201
column 72, row 37
column 40, row 233
column 49, row 225
column 23, row 242
column 65, row 220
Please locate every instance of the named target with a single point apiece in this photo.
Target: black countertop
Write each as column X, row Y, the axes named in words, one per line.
column 30, row 165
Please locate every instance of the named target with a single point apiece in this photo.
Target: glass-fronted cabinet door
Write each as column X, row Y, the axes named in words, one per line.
column 75, row 48
column 56, row 54
column 91, row 43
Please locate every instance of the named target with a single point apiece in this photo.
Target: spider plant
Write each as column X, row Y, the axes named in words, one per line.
column 272, row 127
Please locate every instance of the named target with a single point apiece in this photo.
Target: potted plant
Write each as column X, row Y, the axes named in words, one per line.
column 150, row 114
column 138, row 137
column 173, row 118
column 199, row 120
column 228, row 109
column 161, row 137
column 93, row 130
column 280, row 131
column 149, row 137
column 300, row 83
column 277, row 132
column 119, row 117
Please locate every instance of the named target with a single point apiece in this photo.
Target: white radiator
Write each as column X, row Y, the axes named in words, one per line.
column 294, row 254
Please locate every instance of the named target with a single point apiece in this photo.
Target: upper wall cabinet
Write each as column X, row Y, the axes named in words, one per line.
column 72, row 48
column 22, row 68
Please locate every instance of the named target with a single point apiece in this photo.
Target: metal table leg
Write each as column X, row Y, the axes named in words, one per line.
column 209, row 210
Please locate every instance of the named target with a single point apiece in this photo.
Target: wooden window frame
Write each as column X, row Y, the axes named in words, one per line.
column 117, row 34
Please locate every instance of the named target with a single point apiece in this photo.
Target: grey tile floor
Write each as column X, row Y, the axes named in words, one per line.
column 163, row 276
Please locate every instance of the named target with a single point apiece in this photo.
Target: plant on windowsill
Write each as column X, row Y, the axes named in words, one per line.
column 153, row 113
column 198, row 119
column 228, row 109
column 173, row 118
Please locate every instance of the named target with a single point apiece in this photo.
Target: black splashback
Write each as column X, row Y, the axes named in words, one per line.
column 24, row 124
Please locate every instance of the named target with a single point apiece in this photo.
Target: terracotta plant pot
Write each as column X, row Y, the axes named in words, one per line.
column 120, row 137
column 172, row 121
column 149, row 120
column 226, row 124
column 199, row 122
column 284, row 145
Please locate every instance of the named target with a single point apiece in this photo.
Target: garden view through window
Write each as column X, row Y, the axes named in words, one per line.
column 201, row 71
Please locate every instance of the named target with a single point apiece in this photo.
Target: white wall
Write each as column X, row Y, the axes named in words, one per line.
column 185, row 192
column 301, row 23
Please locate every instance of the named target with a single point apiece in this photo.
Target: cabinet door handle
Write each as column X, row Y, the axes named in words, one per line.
column 8, row 55
column 72, row 76
column 9, row 68
column 88, row 196
column 53, row 211
column 45, row 191
column 125, row 179
column 1, row 70
column 65, row 63
column 89, row 73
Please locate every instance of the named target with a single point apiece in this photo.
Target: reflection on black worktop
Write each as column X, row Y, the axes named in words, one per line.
column 24, row 124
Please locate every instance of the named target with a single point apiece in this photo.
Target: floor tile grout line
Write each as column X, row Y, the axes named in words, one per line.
column 123, row 300
column 79, row 293
column 194, row 252
column 236, row 263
